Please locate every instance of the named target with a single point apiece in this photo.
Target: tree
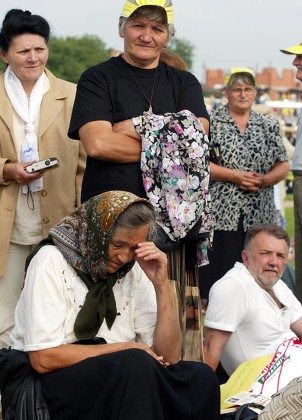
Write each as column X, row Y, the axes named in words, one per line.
column 69, row 57
column 2, row 67
column 184, row 49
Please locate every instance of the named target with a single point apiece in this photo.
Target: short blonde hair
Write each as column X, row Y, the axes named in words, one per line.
column 241, row 79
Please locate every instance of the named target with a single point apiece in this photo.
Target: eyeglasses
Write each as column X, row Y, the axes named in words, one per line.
column 240, row 91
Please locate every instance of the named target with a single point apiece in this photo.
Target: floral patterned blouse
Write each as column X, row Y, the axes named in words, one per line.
column 255, row 150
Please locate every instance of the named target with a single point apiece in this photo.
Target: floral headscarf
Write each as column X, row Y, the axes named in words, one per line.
column 83, row 238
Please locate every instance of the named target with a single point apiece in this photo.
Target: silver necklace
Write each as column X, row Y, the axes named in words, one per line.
column 140, row 88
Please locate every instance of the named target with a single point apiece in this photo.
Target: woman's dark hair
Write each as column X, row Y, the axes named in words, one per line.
column 18, row 22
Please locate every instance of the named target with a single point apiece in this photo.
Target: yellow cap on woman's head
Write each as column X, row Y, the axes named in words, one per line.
column 237, row 70
column 131, row 5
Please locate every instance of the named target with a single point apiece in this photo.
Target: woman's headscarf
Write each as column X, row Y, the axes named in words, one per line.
column 83, row 238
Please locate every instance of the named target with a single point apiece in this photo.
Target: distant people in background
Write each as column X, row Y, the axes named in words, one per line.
column 297, row 172
column 34, row 116
column 250, row 308
column 248, row 159
column 280, row 188
column 111, row 98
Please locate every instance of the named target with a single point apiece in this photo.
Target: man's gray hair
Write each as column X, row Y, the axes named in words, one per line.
column 154, row 13
column 269, row 228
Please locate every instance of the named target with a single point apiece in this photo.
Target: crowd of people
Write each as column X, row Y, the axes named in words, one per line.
column 156, row 208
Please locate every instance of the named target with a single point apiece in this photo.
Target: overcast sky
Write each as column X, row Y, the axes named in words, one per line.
column 225, row 33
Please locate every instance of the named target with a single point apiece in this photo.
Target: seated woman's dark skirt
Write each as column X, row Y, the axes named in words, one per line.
column 131, row 385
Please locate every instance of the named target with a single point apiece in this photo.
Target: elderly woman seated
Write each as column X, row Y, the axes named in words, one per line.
column 97, row 334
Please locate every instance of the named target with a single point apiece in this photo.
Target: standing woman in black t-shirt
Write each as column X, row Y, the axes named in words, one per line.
column 109, row 95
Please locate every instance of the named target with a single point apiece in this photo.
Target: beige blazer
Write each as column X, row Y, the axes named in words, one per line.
column 61, row 186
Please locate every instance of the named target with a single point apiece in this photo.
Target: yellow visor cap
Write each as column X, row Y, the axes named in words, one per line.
column 235, row 70
column 130, row 7
column 296, row 50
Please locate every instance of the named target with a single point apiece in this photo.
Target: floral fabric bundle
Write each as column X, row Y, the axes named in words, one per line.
column 175, row 166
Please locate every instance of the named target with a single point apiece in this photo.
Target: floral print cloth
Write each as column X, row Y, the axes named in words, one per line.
column 175, row 168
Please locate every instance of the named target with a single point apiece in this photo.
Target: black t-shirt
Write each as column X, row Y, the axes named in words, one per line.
column 108, row 92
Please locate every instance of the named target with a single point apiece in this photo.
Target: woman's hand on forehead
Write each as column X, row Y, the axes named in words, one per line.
column 153, row 262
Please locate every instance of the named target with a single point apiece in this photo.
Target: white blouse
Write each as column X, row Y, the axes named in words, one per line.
column 53, row 295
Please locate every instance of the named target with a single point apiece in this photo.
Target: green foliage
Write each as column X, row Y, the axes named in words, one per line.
column 290, row 225
column 69, row 57
column 2, row 67
column 184, row 49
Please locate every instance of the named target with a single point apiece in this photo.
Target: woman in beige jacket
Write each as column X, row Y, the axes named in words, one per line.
column 34, row 117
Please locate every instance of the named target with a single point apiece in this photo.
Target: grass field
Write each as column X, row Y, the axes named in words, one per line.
column 289, row 215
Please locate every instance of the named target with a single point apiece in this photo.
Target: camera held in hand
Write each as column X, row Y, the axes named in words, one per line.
column 43, row 165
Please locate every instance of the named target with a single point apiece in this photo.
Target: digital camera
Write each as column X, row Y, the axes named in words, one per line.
column 43, row 165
